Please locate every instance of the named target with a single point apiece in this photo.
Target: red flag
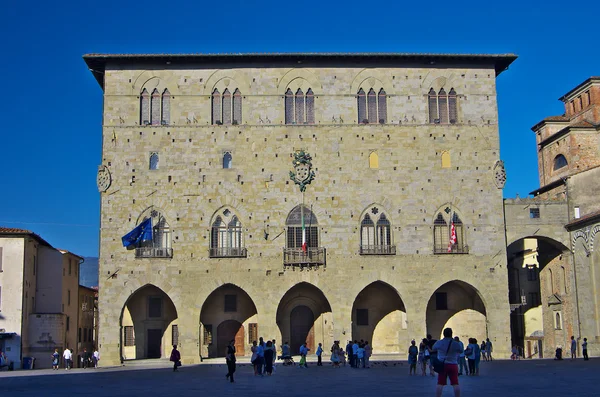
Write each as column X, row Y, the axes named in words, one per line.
column 452, row 237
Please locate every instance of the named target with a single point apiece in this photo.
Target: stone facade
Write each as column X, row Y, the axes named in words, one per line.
column 410, row 169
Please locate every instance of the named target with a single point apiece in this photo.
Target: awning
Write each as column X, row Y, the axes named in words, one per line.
column 7, row 335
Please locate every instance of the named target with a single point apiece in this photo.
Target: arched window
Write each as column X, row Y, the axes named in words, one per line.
column 226, row 236
column 144, row 107
column 558, row 321
column 227, row 160
column 564, row 272
column 294, row 229
column 449, row 233
column 289, row 107
column 160, row 245
column 155, row 107
column 443, row 107
column 560, row 161
column 362, row 107
column 216, row 107
column 166, row 107
column 237, row 107
column 382, row 106
column 154, row 161
column 551, row 281
column 375, row 234
column 299, row 107
column 372, row 106
column 310, row 107
column 373, row 160
column 226, row 107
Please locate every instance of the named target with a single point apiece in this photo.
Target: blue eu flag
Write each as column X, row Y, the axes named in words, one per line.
column 142, row 232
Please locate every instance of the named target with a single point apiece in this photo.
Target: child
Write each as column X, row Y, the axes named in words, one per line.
column 319, row 352
column 342, row 356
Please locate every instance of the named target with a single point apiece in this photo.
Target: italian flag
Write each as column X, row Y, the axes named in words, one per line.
column 304, row 247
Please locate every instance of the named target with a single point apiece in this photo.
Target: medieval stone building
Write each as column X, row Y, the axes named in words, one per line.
column 400, row 232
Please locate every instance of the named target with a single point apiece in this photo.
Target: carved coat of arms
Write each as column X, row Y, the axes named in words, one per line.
column 303, row 174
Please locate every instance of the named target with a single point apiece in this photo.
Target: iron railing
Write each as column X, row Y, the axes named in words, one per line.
column 151, row 252
column 456, row 249
column 228, row 252
column 377, row 250
column 297, row 257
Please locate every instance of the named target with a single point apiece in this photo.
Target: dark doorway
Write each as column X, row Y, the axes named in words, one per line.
column 154, row 341
column 226, row 331
column 301, row 328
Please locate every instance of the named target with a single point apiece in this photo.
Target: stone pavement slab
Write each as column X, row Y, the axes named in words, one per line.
column 529, row 378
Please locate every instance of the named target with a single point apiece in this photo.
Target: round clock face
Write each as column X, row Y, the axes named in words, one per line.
column 103, row 178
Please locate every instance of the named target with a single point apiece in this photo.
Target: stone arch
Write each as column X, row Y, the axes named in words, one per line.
column 379, row 316
column 151, row 79
column 226, row 314
column 453, row 209
column 371, row 78
column 438, row 79
column 151, row 313
column 294, row 318
column 218, row 80
column 312, row 81
column 459, row 305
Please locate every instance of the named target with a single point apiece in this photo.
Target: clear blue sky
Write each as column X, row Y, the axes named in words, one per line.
column 51, row 104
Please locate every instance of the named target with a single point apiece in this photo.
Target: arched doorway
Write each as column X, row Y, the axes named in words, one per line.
column 379, row 317
column 537, row 289
column 304, row 315
column 148, row 324
column 457, row 305
column 228, row 313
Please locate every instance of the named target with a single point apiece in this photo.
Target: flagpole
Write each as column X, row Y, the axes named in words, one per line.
column 303, row 230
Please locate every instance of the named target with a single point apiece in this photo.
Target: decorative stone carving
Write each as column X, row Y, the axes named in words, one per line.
column 103, row 179
column 499, row 174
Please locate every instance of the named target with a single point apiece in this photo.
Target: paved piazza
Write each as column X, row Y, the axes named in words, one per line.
column 499, row 378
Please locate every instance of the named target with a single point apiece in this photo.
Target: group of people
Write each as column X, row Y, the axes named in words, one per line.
column 358, row 354
column 87, row 359
column 263, row 356
column 584, row 350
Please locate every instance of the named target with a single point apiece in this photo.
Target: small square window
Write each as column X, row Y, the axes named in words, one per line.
column 129, row 337
column 362, row 316
column 155, row 307
column 230, row 303
column 534, row 213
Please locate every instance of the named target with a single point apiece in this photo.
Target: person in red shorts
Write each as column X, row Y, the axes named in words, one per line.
column 448, row 351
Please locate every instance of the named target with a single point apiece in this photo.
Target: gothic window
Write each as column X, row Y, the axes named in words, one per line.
column 557, row 321
column 226, row 236
column 153, row 161
column 226, row 107
column 216, row 107
column 382, row 106
column 144, row 107
column 373, row 160
column 446, row 160
column 160, row 245
column 294, row 228
column 372, row 106
column 299, row 107
column 375, row 233
column 166, row 107
column 237, row 107
column 227, row 160
column 442, row 233
column 155, row 107
column 362, row 107
column 560, row 161
column 442, row 106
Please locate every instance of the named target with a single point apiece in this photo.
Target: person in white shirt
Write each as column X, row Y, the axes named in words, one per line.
column 96, row 358
column 448, row 352
column 67, row 355
column 462, row 362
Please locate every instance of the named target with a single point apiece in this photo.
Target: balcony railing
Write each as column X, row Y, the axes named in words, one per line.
column 456, row 249
column 228, row 252
column 151, row 252
column 297, row 257
column 377, row 250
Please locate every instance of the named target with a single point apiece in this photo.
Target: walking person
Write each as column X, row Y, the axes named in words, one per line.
column 96, row 358
column 269, row 358
column 482, row 349
column 368, row 352
column 573, row 348
column 584, row 349
column 488, row 349
column 176, row 358
column 431, row 342
column 303, row 352
column 319, row 353
column 67, row 355
column 447, row 352
column 230, row 360
column 85, row 358
column 470, row 354
column 413, row 354
column 55, row 359
column 423, row 348
column 462, row 362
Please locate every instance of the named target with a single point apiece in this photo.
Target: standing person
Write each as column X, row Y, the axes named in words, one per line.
column 55, row 359
column 413, row 353
column 488, row 349
column 447, row 352
column 269, row 358
column 355, row 354
column 482, row 349
column 584, row 349
column 368, row 352
column 274, row 354
column 260, row 358
column 176, row 358
column 85, row 358
column 67, row 355
column 462, row 362
column 477, row 356
column 253, row 349
column 96, row 358
column 430, row 342
column 319, row 352
column 573, row 348
column 303, row 352
column 230, row 360
column 423, row 348
column 341, row 355
column 470, row 354
column 349, row 353
column 335, row 351
column 360, row 356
